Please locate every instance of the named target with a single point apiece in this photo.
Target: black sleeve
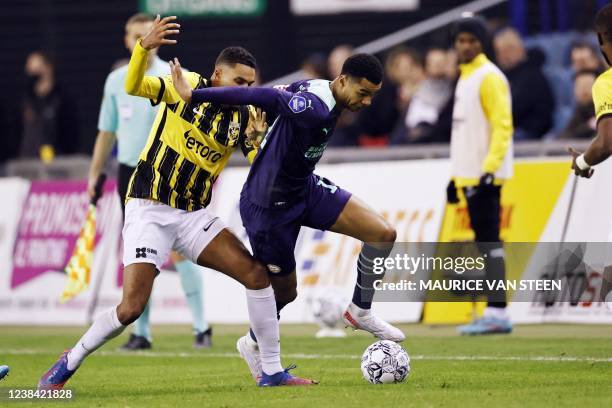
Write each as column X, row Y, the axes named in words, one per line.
column 160, row 94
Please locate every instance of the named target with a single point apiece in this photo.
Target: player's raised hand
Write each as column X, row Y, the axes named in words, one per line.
column 162, row 27
column 178, row 80
column 257, row 128
column 587, row 171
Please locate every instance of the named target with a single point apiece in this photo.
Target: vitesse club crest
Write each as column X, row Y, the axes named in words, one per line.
column 233, row 132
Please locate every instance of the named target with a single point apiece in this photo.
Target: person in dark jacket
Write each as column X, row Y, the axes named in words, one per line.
column 49, row 122
column 532, row 98
column 583, row 124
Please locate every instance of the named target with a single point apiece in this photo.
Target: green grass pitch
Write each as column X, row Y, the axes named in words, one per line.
column 551, row 365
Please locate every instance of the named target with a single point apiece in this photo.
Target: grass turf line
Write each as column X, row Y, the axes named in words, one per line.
column 531, row 367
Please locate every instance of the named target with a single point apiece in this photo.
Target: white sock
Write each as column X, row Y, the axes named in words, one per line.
column 264, row 323
column 495, row 312
column 106, row 327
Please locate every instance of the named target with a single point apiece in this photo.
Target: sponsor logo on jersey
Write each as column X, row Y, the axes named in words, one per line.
column 201, row 149
column 603, row 108
column 314, row 152
column 142, row 252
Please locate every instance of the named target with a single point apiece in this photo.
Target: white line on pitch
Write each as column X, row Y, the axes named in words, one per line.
column 559, row 359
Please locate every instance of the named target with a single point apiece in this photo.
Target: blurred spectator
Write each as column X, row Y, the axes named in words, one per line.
column 583, row 123
column 346, row 132
column 404, row 67
column 425, row 95
column 429, row 99
column 585, row 57
column 452, row 65
column 532, row 98
column 336, row 59
column 315, row 67
column 50, row 124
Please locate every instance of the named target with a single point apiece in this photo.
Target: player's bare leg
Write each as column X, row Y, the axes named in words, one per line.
column 359, row 221
column 137, row 284
column 228, row 255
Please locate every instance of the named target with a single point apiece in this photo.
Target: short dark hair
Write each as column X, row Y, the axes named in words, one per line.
column 603, row 22
column 236, row 55
column 363, row 66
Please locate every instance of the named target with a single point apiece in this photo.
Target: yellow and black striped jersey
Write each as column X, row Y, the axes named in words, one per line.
column 189, row 144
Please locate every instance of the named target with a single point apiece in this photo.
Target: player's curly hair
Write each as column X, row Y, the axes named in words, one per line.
column 603, row 22
column 236, row 55
column 363, row 66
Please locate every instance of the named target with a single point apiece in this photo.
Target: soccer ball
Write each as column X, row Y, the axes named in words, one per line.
column 385, row 362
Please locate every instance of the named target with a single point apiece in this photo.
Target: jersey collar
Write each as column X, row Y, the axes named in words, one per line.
column 479, row 61
column 321, row 88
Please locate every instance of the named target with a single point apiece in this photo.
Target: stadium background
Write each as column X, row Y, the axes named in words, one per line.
column 561, row 358
column 542, row 203
column 86, row 38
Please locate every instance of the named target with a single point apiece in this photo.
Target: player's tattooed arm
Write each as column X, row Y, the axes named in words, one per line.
column 162, row 27
column 257, row 128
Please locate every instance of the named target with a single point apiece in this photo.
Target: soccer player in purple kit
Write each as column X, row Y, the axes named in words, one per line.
column 282, row 193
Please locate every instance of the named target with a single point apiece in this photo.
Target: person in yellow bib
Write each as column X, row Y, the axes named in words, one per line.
column 601, row 146
column 481, row 158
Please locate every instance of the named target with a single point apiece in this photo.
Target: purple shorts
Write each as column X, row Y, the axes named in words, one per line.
column 273, row 232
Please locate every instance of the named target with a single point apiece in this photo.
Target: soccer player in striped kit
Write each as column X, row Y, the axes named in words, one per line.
column 127, row 120
column 481, row 158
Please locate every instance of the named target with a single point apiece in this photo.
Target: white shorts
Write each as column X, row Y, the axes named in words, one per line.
column 152, row 229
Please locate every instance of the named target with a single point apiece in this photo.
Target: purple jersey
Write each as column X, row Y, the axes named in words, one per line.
column 304, row 120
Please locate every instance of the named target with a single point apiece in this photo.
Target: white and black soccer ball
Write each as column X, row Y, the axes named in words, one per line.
column 385, row 362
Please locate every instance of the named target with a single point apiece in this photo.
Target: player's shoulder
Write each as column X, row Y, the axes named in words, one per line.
column 492, row 71
column 604, row 81
column 318, row 88
column 494, row 79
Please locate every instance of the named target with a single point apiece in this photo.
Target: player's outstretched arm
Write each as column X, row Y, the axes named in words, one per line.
column 136, row 83
column 598, row 151
column 265, row 98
